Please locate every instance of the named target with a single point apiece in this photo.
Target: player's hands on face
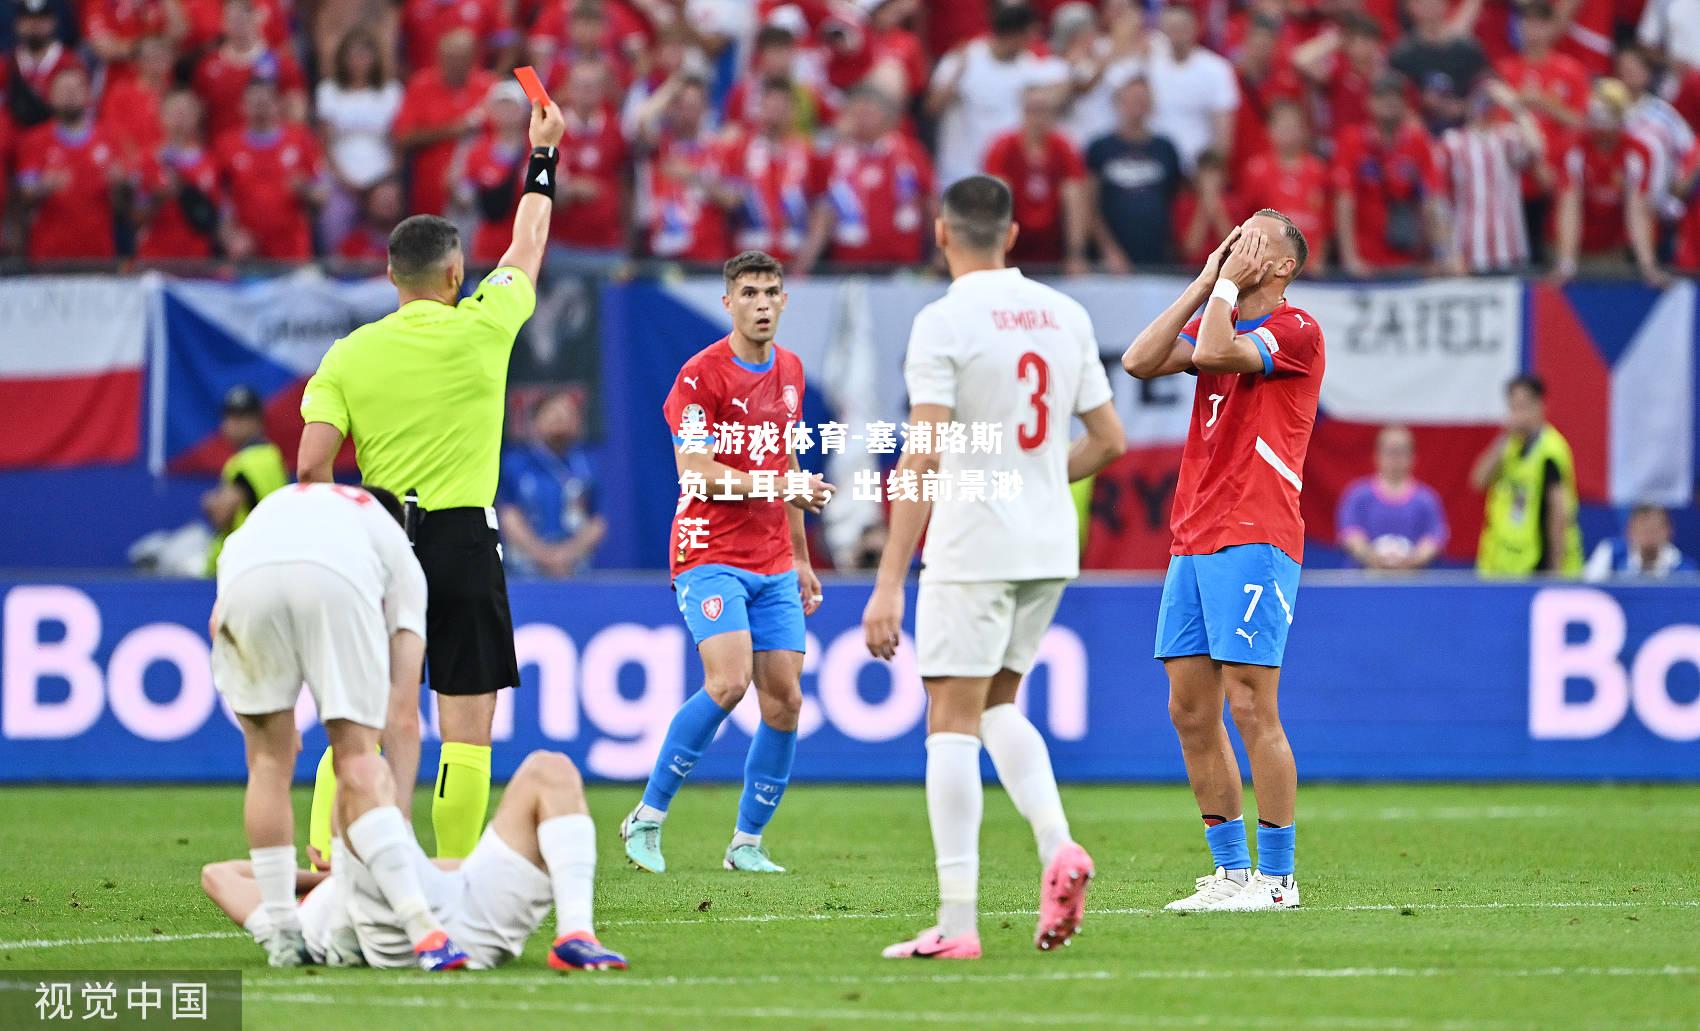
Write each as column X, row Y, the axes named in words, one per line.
column 547, row 125
column 882, row 622
column 820, row 492
column 808, row 586
column 1248, row 260
column 1213, row 266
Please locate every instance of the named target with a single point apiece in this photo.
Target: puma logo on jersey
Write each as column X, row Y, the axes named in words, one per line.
column 690, row 380
column 1302, row 324
column 1249, row 638
column 742, row 403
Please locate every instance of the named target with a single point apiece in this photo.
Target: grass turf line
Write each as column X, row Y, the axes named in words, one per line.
column 1466, row 908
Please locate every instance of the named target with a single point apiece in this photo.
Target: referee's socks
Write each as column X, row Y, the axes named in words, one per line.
column 462, row 795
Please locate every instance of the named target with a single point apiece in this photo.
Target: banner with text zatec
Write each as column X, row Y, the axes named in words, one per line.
column 109, row 680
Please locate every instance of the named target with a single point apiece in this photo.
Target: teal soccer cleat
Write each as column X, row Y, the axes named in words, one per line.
column 751, row 859
column 643, row 843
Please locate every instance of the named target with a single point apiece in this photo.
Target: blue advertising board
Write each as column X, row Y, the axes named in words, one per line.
column 108, row 680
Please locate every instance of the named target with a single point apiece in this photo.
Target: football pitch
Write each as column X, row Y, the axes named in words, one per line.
column 1462, row 908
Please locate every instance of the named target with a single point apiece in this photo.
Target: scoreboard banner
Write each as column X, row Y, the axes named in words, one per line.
column 108, row 680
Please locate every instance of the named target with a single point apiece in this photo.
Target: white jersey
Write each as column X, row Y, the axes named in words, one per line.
column 1000, row 349
column 341, row 528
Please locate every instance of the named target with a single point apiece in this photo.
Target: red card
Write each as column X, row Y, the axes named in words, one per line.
column 532, row 85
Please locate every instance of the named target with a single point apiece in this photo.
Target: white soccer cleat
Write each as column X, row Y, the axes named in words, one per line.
column 286, row 947
column 1212, row 892
column 1264, row 892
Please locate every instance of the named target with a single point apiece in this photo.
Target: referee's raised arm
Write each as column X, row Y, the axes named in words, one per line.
column 422, row 393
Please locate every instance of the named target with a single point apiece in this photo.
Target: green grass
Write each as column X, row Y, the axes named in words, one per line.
column 1467, row 909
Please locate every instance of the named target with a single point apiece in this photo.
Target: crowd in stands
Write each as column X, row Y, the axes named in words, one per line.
column 1404, row 136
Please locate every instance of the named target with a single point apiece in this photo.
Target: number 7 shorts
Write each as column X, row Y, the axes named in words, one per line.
column 1234, row 605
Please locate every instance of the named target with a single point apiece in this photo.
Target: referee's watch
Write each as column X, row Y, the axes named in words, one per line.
column 540, row 172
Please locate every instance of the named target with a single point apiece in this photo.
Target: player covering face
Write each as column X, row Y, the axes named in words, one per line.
column 1232, row 584
column 741, row 571
column 998, row 348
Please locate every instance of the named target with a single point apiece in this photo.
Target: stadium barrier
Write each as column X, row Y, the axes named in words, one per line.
column 108, row 680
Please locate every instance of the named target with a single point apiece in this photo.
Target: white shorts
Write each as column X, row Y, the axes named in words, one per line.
column 975, row 629
column 489, row 906
column 292, row 622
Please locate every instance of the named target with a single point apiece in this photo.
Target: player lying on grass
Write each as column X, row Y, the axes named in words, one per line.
column 1233, row 580
column 319, row 585
column 539, row 849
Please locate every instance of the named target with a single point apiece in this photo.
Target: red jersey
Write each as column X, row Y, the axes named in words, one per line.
column 425, row 22
column 220, row 80
column 129, row 112
column 1297, row 189
column 168, row 232
column 1251, row 118
column 1348, row 92
column 1245, row 447
column 124, row 20
column 491, row 166
column 779, row 180
column 431, row 103
column 206, row 23
column 1036, row 185
column 1589, row 38
column 1559, row 77
column 627, row 33
column 1388, row 182
column 591, row 149
column 1607, row 170
column 259, row 173
column 684, row 221
column 721, row 400
column 75, row 220
column 1181, row 214
column 879, row 194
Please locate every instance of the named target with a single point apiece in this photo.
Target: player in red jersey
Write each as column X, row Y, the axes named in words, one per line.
column 68, row 172
column 740, row 561
column 1238, row 541
column 179, row 196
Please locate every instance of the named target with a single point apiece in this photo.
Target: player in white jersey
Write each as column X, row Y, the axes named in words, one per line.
column 1004, row 351
column 540, row 849
column 319, row 585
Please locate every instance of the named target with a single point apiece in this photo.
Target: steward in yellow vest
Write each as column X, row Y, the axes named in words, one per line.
column 255, row 470
column 1530, row 479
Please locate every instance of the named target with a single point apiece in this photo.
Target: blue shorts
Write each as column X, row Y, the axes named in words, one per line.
column 1235, row 605
column 719, row 599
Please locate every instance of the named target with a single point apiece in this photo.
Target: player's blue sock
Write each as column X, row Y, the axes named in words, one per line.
column 690, row 732
column 1226, row 839
column 1275, row 850
column 766, row 772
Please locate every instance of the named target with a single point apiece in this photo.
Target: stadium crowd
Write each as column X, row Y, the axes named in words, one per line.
column 1405, row 136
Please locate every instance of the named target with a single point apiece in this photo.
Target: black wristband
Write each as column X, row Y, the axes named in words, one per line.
column 540, row 173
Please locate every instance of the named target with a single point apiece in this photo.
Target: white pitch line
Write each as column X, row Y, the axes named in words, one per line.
column 974, row 1018
column 616, row 980
column 768, row 918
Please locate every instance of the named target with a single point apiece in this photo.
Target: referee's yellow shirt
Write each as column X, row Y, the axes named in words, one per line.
column 423, row 391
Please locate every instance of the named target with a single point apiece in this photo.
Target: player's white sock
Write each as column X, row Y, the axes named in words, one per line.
column 274, row 872
column 342, row 871
column 955, row 799
column 381, row 838
column 649, row 814
column 568, row 844
column 1024, row 767
column 259, row 924
column 740, row 838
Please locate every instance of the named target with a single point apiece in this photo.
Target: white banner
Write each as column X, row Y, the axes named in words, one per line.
column 1434, row 353
column 71, row 326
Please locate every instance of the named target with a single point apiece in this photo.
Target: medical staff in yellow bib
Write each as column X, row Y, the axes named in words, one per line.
column 255, row 470
column 1530, row 480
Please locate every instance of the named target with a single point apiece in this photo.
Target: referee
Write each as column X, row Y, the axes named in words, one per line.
column 422, row 392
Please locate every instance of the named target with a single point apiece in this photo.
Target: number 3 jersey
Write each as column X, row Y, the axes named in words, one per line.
column 1245, row 449
column 1018, row 360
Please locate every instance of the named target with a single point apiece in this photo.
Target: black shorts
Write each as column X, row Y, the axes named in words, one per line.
column 469, row 632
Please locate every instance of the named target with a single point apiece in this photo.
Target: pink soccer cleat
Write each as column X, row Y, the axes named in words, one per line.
column 931, row 944
column 1062, row 897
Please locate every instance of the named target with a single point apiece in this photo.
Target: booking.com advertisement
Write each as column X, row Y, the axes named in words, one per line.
column 110, row 681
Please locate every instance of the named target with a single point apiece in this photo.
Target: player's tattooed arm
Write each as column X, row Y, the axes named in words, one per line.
column 1159, row 350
